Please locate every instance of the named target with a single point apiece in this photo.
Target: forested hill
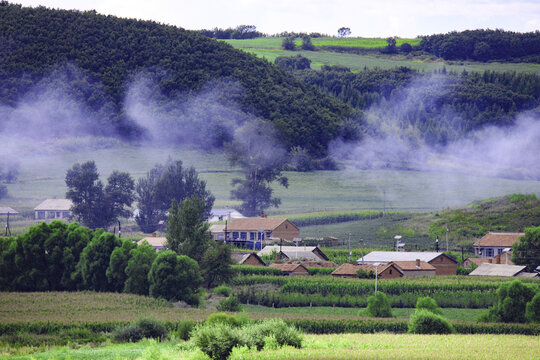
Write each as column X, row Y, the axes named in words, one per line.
column 110, row 51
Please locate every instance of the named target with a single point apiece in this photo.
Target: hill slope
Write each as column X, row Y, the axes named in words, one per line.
column 111, row 52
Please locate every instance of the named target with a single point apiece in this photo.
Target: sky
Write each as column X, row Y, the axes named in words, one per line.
column 373, row 18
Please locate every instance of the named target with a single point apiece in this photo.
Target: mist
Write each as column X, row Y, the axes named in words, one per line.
column 393, row 143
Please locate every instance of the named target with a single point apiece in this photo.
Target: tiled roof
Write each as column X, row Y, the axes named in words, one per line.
column 411, row 265
column 479, row 261
column 155, row 241
column 498, row 239
column 254, row 224
column 389, row 256
column 352, row 269
column 293, row 252
column 289, row 267
column 315, row 264
column 240, row 257
column 55, row 205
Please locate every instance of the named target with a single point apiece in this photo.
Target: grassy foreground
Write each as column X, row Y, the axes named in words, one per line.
column 344, row 346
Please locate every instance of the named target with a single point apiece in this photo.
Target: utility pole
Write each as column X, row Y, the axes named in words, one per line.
column 384, row 203
column 446, row 236
column 8, row 230
column 437, row 245
column 350, row 253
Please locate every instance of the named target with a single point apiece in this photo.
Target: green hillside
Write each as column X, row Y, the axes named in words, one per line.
column 110, row 52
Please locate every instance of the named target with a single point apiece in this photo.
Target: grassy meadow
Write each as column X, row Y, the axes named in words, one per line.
column 342, row 346
column 270, row 48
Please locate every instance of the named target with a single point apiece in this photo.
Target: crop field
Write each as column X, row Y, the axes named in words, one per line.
column 275, row 42
column 270, row 48
column 320, row 347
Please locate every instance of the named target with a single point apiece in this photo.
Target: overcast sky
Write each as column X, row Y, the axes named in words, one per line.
column 373, row 18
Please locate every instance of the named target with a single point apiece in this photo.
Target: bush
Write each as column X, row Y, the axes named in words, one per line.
column 143, row 328
column 272, row 330
column 229, row 304
column 532, row 312
column 183, row 329
column 511, row 301
column 216, row 340
column 379, row 305
column 222, row 290
column 427, row 303
column 363, row 274
column 425, row 322
column 222, row 318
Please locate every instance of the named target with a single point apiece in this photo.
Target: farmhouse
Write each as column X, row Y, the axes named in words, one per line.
column 252, row 232
column 243, row 258
column 444, row 264
column 311, row 253
column 415, row 268
column 315, row 264
column 224, row 214
column 157, row 242
column 384, row 271
column 53, row 209
column 488, row 269
column 494, row 243
column 503, row 258
column 291, row 269
column 217, row 231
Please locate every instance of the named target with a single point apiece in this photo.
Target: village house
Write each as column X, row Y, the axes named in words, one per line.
column 384, row 271
column 444, row 264
column 488, row 269
column 305, row 253
column 53, row 209
column 315, row 264
column 6, row 210
column 252, row 232
column 494, row 243
column 503, row 258
column 157, row 242
column 291, row 269
column 243, row 258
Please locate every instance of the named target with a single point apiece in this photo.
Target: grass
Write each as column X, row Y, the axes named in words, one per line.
column 275, row 42
column 343, row 346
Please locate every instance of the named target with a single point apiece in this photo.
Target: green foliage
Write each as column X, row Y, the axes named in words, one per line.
column 223, row 290
column 245, row 270
column 95, row 260
column 119, row 259
column 427, row 303
column 363, row 274
column 257, row 334
column 223, row 318
column 307, row 44
column 379, row 305
column 426, row 322
column 532, row 310
column 290, row 63
column 137, row 269
column 187, row 232
column 511, row 301
column 229, row 304
column 527, row 250
column 288, row 43
column 175, row 277
column 216, row 264
column 314, row 271
column 186, row 61
column 183, row 329
column 93, row 205
column 144, row 328
column 216, row 340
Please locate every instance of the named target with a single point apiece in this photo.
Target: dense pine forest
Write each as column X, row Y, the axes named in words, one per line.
column 109, row 52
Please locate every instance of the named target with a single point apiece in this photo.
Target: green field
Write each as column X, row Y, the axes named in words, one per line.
column 343, row 346
column 42, row 177
column 270, row 48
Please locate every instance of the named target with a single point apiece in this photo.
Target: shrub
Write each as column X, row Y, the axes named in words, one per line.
column 427, row 303
column 511, row 301
column 264, row 333
column 216, row 340
column 363, row 274
column 183, row 329
column 222, row 318
column 426, row 322
column 532, row 312
column 229, row 304
column 379, row 305
column 143, row 328
column 222, row 290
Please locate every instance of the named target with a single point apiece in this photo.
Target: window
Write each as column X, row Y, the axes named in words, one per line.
column 243, row 235
column 260, row 236
column 235, row 235
column 489, row 252
column 251, row 236
column 499, row 251
column 390, row 271
column 221, row 236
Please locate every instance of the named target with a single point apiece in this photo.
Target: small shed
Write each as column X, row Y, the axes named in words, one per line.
column 243, row 258
column 53, row 209
column 157, row 242
column 291, row 269
column 488, row 269
column 384, row 271
column 308, row 253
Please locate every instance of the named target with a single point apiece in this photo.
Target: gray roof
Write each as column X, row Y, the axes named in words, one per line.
column 384, row 257
column 218, row 228
column 241, row 257
column 4, row 210
column 222, row 212
column 293, row 252
column 488, row 269
column 55, row 204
